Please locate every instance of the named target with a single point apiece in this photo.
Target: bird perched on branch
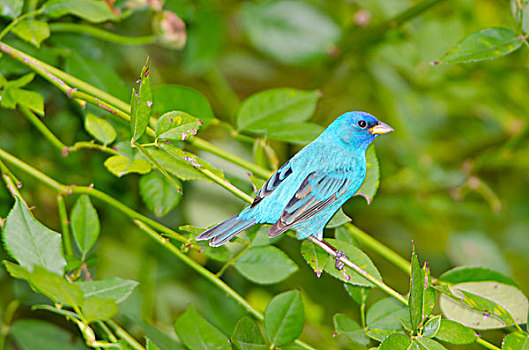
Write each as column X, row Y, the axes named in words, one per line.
column 306, row 191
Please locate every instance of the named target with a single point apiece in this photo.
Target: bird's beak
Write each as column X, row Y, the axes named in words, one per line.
column 380, row 128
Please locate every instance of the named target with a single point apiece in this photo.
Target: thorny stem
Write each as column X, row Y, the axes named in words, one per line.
column 206, row 274
column 101, row 34
column 115, row 106
column 332, row 251
column 67, row 190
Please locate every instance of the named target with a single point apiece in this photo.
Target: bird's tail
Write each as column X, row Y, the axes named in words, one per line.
column 224, row 231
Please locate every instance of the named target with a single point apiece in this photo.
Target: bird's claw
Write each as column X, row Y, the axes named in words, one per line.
column 338, row 256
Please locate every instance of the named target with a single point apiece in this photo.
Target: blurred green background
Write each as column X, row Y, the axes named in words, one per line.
column 454, row 174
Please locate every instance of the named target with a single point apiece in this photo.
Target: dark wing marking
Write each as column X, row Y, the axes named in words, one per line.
column 273, row 182
column 318, row 191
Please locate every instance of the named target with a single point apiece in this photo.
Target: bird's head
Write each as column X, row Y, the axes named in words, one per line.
column 358, row 129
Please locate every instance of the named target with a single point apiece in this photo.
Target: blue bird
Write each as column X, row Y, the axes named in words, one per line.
column 307, row 190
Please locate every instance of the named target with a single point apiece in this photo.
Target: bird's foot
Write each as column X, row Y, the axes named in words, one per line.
column 338, row 255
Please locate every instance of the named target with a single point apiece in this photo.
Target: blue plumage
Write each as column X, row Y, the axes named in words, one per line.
column 307, row 191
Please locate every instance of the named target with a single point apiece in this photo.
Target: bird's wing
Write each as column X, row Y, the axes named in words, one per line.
column 318, row 191
column 273, row 182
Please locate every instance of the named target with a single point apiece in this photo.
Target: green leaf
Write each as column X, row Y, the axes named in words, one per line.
column 516, row 341
column 32, row 334
column 120, row 165
column 358, row 294
column 315, row 256
column 11, row 8
column 292, row 32
column 265, row 265
column 396, row 341
column 182, row 164
column 338, row 219
column 428, row 344
column 429, row 298
column 484, row 305
column 345, row 325
column 90, row 10
column 177, row 126
column 520, row 12
column 197, row 333
column 386, row 314
column 30, row 99
column 32, row 31
column 150, row 345
column 369, row 187
column 100, row 129
column 85, row 224
column 99, row 309
column 141, row 113
column 300, row 133
column 169, row 98
column 284, row 318
column 416, row 293
column 379, row 334
column 455, row 333
column 31, row 243
column 356, row 256
column 20, row 82
column 263, row 111
column 474, row 274
column 160, row 195
column 486, row 44
column 161, row 339
column 113, row 288
column 432, row 326
column 247, row 335
column 55, row 287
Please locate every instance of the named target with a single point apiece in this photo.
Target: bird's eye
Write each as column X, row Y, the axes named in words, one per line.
column 362, row 124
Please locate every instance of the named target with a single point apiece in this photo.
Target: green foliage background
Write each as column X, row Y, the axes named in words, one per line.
column 453, row 175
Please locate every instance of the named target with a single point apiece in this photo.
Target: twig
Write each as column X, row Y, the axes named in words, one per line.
column 332, row 251
column 47, row 133
column 65, row 226
column 101, row 34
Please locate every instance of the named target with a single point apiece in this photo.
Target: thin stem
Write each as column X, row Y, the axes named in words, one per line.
column 67, row 190
column 380, row 248
column 17, row 20
column 15, row 193
column 101, row 34
column 157, row 165
column 74, row 93
column 39, row 67
column 91, row 145
column 199, row 268
column 231, row 261
column 227, row 185
column 47, row 133
column 111, row 337
column 65, row 226
column 332, row 251
column 121, row 333
column 486, row 344
column 208, row 147
column 61, row 79
column 5, row 170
